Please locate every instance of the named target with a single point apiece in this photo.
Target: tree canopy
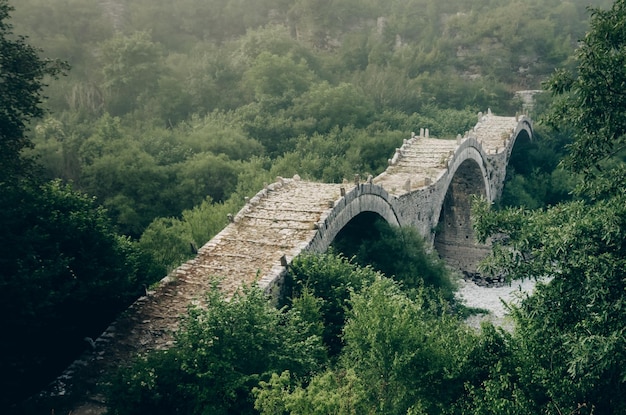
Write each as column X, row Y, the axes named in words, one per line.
column 64, row 271
column 572, row 328
column 21, row 87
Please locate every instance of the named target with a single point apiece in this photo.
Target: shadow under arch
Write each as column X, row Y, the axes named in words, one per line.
column 518, row 153
column 360, row 228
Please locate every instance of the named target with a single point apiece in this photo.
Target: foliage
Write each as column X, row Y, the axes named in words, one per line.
column 171, row 241
column 592, row 104
column 398, row 347
column 130, row 71
column 570, row 332
column 571, row 326
column 64, row 274
column 400, row 253
column 534, row 177
column 21, row 85
column 222, row 350
column 397, row 359
column 330, row 278
column 331, row 392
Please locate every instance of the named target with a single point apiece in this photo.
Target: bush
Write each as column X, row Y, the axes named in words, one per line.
column 396, row 252
column 222, row 351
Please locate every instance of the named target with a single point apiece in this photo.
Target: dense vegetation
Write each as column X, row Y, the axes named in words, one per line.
column 169, row 107
column 172, row 113
column 64, row 271
column 401, row 352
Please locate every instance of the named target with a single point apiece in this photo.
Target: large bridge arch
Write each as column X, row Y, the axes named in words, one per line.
column 470, row 162
column 454, row 237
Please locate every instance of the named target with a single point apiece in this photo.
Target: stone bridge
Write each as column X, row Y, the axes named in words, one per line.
column 427, row 185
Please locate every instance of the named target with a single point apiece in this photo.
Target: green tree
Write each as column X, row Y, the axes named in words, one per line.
column 572, row 328
column 64, row 274
column 592, row 103
column 204, row 175
column 334, row 106
column 171, row 241
column 274, row 76
column 22, row 72
column 129, row 184
column 217, row 133
column 397, row 359
column 331, row 279
column 131, row 67
column 222, row 351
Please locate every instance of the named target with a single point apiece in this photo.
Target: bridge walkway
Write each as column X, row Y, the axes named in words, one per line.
column 416, row 164
column 421, row 160
column 276, row 222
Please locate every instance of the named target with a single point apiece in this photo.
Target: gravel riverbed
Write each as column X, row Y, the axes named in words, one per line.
column 491, row 299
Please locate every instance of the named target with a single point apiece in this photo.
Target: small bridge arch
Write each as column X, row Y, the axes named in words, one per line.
column 523, row 133
column 364, row 197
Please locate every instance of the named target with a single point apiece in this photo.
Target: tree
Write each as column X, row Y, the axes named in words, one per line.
column 131, row 69
column 400, row 348
column 330, row 278
column 171, row 241
column 222, row 351
column 332, row 106
column 64, row 275
column 64, row 272
column 402, row 355
column 592, row 101
column 21, row 83
column 572, row 329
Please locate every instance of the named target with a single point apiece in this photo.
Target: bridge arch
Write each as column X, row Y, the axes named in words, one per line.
column 454, row 238
column 515, row 146
column 522, row 134
column 517, row 153
column 362, row 198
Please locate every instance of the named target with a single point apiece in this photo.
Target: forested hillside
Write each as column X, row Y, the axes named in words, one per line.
column 171, row 112
column 169, row 105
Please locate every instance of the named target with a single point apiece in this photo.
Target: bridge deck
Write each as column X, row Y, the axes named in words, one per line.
column 421, row 160
column 492, row 131
column 276, row 222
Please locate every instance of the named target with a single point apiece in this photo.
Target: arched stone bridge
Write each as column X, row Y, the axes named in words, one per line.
column 427, row 185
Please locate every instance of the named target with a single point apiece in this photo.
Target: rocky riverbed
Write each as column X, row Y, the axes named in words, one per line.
column 490, row 298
